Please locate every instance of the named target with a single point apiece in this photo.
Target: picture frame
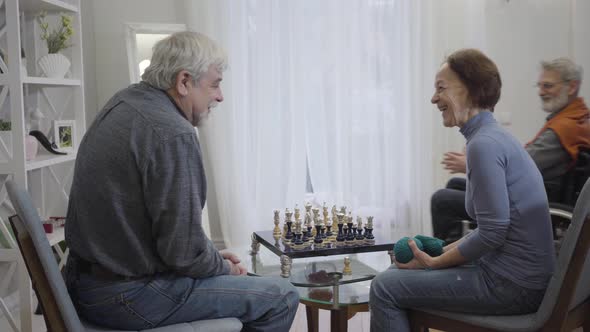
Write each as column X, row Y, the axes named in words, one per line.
column 64, row 132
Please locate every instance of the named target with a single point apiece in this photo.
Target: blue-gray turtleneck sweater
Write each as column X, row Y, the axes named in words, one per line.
column 506, row 197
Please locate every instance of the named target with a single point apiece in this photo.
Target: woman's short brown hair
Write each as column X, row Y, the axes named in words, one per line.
column 479, row 74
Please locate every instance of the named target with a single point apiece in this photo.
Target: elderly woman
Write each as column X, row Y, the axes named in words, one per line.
column 511, row 249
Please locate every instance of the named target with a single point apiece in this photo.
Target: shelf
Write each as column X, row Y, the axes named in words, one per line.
column 49, row 160
column 47, row 5
column 51, row 81
column 57, row 236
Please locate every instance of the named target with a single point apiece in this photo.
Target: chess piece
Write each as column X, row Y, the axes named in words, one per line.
column 347, row 270
column 305, row 231
column 316, row 220
column 289, row 223
column 325, row 212
column 343, row 210
column 344, row 240
column 359, row 223
column 316, row 214
column 318, row 234
column 329, row 233
column 297, row 241
column 340, row 235
column 369, row 229
column 276, row 232
column 308, row 218
column 349, row 234
column 354, row 233
column 297, row 214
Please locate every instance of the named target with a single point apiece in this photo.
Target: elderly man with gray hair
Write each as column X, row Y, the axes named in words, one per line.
column 554, row 148
column 139, row 257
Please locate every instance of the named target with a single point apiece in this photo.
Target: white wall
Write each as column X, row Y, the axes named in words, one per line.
column 581, row 38
column 111, row 72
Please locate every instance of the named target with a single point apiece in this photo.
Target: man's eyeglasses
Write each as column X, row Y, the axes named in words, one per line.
column 547, row 85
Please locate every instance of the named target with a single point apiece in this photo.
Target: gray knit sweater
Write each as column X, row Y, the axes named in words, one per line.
column 506, row 197
column 138, row 190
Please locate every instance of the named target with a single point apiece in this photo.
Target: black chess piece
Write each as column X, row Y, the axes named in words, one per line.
column 298, row 241
column 323, row 228
column 318, row 235
column 359, row 234
column 349, row 235
column 305, row 237
column 309, row 233
column 289, row 234
column 340, row 235
column 329, row 231
column 369, row 233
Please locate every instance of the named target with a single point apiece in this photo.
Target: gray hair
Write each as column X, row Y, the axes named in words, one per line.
column 566, row 68
column 187, row 50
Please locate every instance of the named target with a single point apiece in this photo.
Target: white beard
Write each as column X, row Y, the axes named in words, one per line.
column 204, row 116
column 556, row 103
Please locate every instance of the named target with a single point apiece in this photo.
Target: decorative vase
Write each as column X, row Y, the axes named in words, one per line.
column 31, row 148
column 54, row 65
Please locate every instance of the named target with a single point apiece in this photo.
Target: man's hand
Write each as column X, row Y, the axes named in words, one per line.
column 230, row 256
column 454, row 162
column 421, row 259
column 237, row 269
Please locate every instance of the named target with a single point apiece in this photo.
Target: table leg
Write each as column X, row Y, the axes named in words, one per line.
column 312, row 319
column 338, row 320
column 255, row 245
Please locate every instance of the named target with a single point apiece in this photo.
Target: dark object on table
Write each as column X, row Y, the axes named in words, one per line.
column 319, row 277
column 320, row 294
column 51, row 147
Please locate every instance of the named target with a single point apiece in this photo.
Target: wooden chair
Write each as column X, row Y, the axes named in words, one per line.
column 59, row 312
column 566, row 304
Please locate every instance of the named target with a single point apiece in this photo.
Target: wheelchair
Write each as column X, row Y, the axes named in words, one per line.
column 562, row 198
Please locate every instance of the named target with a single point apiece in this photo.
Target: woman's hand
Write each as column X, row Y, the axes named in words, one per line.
column 454, row 162
column 421, row 259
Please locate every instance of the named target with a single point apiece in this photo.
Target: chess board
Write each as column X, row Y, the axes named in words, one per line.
column 281, row 246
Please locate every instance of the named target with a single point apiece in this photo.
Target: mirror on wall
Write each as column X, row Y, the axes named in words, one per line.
column 140, row 38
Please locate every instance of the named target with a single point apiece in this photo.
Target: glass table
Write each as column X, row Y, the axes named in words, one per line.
column 335, row 280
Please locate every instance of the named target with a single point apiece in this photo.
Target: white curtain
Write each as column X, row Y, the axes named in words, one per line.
column 254, row 141
column 368, row 119
column 341, row 84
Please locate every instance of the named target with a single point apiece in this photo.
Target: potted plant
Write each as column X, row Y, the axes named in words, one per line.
column 55, row 64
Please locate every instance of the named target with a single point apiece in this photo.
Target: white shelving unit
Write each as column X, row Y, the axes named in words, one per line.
column 47, row 176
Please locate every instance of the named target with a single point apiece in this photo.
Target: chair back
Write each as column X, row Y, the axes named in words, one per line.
column 570, row 284
column 58, row 309
column 574, row 179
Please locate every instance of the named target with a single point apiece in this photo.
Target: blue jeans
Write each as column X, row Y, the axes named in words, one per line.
column 468, row 289
column 262, row 304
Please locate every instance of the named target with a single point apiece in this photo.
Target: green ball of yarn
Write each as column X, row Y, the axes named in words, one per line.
column 432, row 245
column 403, row 253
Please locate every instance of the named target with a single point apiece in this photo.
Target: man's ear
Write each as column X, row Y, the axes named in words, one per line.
column 183, row 83
column 573, row 87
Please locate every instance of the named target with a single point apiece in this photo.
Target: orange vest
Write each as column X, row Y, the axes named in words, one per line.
column 572, row 126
